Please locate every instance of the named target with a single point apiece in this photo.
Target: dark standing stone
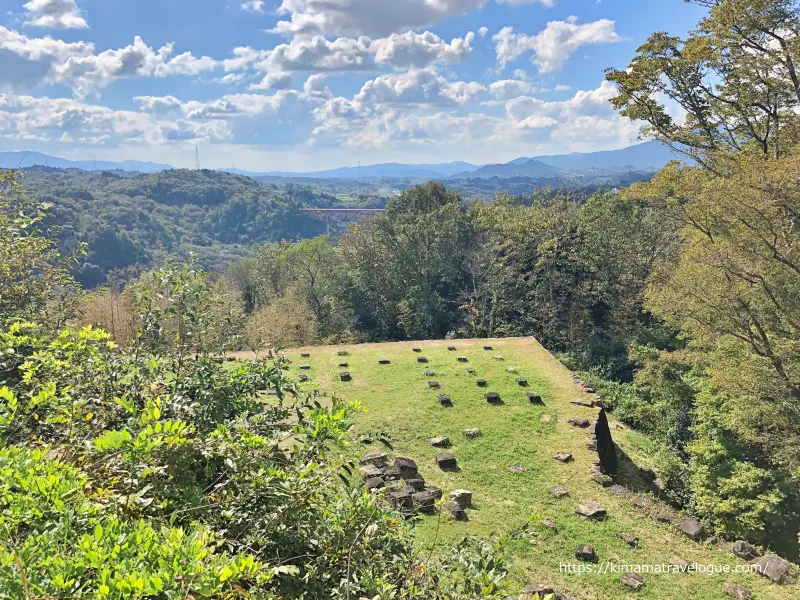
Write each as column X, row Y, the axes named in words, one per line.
column 744, row 550
column 522, row 382
column 606, row 449
column 736, row 591
column 633, row 581
column 581, row 423
column 563, row 457
column 559, row 491
column 493, row 398
column 534, row 398
column 591, row 510
column 481, row 383
column 305, row 355
column 384, row 361
column 446, row 461
column 408, row 468
column 445, row 400
column 434, row 385
column 462, row 359
column 691, row 528
column 305, row 367
column 628, row 538
column 422, row 359
column 440, row 442
column 585, row 553
column 345, row 376
column 773, row 567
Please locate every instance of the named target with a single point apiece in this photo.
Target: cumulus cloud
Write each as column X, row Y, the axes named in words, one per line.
column 54, row 14
column 253, row 6
column 552, row 46
column 420, row 49
column 510, row 88
column 373, row 17
column 274, row 81
column 417, row 86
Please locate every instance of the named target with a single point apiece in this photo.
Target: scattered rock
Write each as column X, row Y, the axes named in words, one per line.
column 401, row 500
column 563, row 457
column 498, row 357
column 305, row 367
column 773, row 567
column 538, row 588
column 549, row 523
column 602, row 480
column 407, row 467
column 493, row 398
column 517, row 469
column 456, row 511
column 446, row 461
column 451, row 348
column 559, row 491
column 590, row 390
column 416, row 349
column 437, row 492
column 370, row 470
column 591, row 510
column 422, row 359
column 522, row 382
column 434, row 385
column 691, row 528
column 342, row 353
column 628, row 538
column 440, row 442
column 545, row 418
column 643, row 503
column 343, row 365
column 430, row 373
column 488, row 348
column 472, row 433
column 592, row 447
column 534, row 398
column 471, row 371
column 392, row 474
column 345, row 376
column 384, row 361
column 302, row 378
column 677, row 561
column 481, row 383
column 462, row 359
column 424, row 501
column 461, row 497
column 444, row 400
column 581, row 423
column 305, row 355
column 582, row 403
column 379, row 459
column 633, row 581
column 418, row 484
column 374, row 483
column 647, row 475
column 737, row 591
column 618, row 490
column 744, row 550
column 511, row 369
column 667, row 518
column 585, row 553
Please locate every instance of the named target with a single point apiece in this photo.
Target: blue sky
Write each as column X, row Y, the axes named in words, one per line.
column 314, row 84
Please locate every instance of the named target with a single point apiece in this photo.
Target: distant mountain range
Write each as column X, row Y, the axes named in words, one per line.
column 21, row 160
column 649, row 157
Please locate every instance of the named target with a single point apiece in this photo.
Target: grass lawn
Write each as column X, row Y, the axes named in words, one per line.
column 397, row 400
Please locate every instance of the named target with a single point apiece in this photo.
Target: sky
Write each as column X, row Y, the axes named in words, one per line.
column 301, row 85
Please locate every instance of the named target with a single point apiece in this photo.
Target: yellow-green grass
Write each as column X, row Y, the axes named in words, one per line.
column 397, row 400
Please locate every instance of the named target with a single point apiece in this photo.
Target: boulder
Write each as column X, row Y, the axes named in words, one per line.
column 417, row 484
column 401, row 500
column 744, row 550
column 580, row 423
column 691, row 528
column 585, row 553
column 643, row 503
column 392, row 474
column 772, row 567
column 370, row 470
column 440, row 442
column 628, row 538
column 384, row 361
column 647, row 474
column 374, row 483
column 462, row 359
column 472, row 433
column 559, row 491
column 379, row 459
column 437, row 492
column 633, row 581
column 407, row 467
column 446, row 461
column 461, row 497
column 667, row 518
column 424, row 501
column 534, row 398
column 563, row 457
column 591, row 510
column 471, row 371
column 456, row 511
column 517, row 469
column 734, row 590
column 451, row 348
column 493, row 398
column 345, row 376
column 481, row 383
column 430, row 373
column 445, row 400
column 305, row 367
column 522, row 382
column 602, row 480
column 422, row 359
column 416, row 349
column 343, row 365
column 488, row 348
column 302, row 378
column 434, row 385
column 618, row 490
column 305, row 355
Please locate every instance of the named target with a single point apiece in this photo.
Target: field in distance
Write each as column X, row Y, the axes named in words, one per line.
column 398, row 400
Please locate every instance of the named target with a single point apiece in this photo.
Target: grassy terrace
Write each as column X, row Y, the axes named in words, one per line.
column 396, row 400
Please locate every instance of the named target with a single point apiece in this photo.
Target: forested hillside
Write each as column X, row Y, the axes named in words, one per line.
column 135, row 220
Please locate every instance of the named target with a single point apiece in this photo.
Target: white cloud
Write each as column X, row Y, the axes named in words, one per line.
column 274, row 81
column 510, row 88
column 483, row 31
column 253, row 6
column 54, row 14
column 562, row 88
column 230, row 78
column 373, row 17
column 417, row 86
column 553, row 45
column 420, row 49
